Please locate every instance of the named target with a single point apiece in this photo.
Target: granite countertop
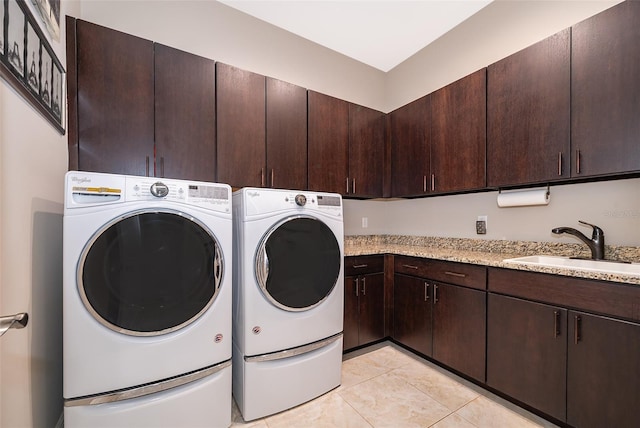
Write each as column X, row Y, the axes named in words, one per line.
column 489, row 253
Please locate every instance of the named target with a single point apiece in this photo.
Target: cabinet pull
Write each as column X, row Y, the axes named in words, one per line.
column 559, row 163
column 556, row 323
column 577, row 161
column 459, row 275
column 435, row 293
column 261, row 177
column 424, row 183
column 357, row 286
column 433, row 182
column 347, row 185
column 161, row 166
column 147, row 166
column 353, row 185
column 577, row 324
column 364, row 286
column 273, row 182
column 360, row 266
column 426, row 291
column 410, row 266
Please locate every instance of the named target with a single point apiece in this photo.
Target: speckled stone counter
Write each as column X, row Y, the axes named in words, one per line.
column 490, row 253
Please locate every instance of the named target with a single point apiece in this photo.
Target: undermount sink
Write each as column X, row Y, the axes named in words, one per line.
column 602, row 266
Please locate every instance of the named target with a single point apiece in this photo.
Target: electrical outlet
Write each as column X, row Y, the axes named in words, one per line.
column 365, row 222
column 481, row 225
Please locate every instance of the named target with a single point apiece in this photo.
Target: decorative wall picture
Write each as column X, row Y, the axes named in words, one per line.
column 15, row 37
column 29, row 64
column 50, row 12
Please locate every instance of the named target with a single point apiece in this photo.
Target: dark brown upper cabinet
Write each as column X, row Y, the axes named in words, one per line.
column 366, row 151
column 114, row 119
column 241, row 126
column 328, row 143
column 185, row 115
column 528, row 114
column 458, row 135
column 605, row 81
column 286, row 163
column 410, row 136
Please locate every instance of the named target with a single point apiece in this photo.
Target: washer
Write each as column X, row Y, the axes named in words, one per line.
column 288, row 298
column 147, row 302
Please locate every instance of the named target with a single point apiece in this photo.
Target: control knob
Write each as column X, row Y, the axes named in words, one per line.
column 159, row 189
column 301, row 200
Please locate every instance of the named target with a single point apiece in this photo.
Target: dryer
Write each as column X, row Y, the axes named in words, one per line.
column 147, row 302
column 288, row 298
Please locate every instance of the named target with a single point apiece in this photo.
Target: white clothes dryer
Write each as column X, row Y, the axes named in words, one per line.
column 147, row 302
column 288, row 298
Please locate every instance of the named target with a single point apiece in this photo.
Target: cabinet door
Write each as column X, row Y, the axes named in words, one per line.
column 185, row 132
column 528, row 114
column 328, row 143
column 459, row 329
column 458, row 135
column 603, row 388
column 412, row 324
column 410, row 141
column 286, row 135
column 527, row 353
column 115, row 101
column 366, row 151
column 351, row 313
column 240, row 127
column 371, row 308
column 605, row 81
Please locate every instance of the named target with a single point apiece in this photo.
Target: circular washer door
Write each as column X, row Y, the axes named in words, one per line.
column 298, row 263
column 150, row 272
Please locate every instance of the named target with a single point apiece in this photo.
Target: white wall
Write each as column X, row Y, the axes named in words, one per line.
column 33, row 160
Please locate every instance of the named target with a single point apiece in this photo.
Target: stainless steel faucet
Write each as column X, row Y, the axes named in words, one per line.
column 595, row 244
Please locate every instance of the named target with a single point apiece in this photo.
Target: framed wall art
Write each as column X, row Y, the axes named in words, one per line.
column 29, row 64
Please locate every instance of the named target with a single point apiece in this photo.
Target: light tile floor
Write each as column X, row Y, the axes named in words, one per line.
column 387, row 386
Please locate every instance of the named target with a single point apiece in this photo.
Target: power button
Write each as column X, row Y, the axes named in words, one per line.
column 301, row 200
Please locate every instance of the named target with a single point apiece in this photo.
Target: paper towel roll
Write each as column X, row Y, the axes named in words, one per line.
column 524, row 198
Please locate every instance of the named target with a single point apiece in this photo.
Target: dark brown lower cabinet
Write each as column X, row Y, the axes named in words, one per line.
column 526, row 352
column 603, row 380
column 363, row 309
column 412, row 313
column 459, row 328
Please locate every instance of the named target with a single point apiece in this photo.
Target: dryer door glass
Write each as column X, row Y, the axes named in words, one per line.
column 150, row 273
column 298, row 263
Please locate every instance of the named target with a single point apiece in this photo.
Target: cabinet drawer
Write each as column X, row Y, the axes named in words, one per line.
column 439, row 270
column 618, row 300
column 357, row 265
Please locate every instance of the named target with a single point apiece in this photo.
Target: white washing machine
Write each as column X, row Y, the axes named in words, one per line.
column 288, row 298
column 147, row 302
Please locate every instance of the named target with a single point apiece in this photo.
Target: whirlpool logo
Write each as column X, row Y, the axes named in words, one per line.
column 253, row 193
column 81, row 180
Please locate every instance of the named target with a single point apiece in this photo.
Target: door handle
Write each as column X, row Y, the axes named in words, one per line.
column 13, row 321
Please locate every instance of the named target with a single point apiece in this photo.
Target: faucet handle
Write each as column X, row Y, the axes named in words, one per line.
column 597, row 232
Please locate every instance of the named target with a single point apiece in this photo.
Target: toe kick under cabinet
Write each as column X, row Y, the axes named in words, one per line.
column 567, row 347
column 439, row 310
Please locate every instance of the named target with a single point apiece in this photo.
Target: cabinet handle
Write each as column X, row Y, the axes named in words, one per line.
column 410, row 266
column 459, row 275
column 424, row 183
column 556, row 323
column 161, row 166
column 273, row 182
column 360, row 266
column 559, row 163
column 147, row 166
column 357, row 286
column 577, row 161
column 353, row 182
column 433, row 182
column 426, row 291
column 347, row 185
column 577, row 324
column 435, row 293
column 364, row 286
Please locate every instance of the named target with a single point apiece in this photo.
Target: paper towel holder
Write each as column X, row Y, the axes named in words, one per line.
column 524, row 197
column 548, row 190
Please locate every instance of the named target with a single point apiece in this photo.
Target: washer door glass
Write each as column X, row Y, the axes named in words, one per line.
column 298, row 263
column 150, row 272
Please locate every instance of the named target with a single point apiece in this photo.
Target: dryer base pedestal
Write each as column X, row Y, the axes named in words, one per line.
column 264, row 388
column 205, row 402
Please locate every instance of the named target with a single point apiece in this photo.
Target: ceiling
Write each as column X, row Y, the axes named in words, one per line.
column 380, row 33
